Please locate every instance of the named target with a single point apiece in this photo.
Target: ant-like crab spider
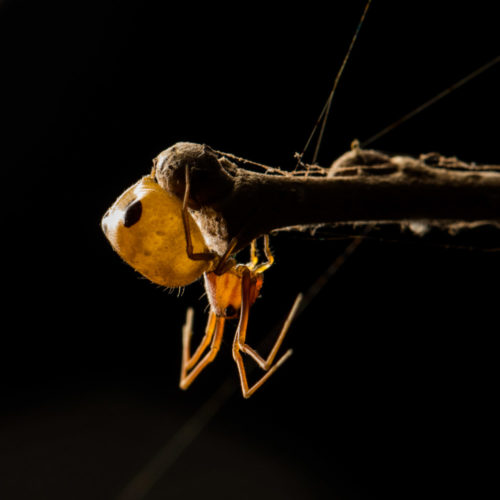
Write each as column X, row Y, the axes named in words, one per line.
column 231, row 288
column 234, row 290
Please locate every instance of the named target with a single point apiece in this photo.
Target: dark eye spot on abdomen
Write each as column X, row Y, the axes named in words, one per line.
column 132, row 213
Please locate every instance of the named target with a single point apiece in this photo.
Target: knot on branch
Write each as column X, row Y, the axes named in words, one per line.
column 210, row 176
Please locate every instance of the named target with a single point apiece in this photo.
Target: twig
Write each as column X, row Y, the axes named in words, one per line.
column 229, row 202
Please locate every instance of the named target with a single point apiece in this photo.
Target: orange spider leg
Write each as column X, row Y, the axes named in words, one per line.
column 193, row 364
column 254, row 259
column 239, row 344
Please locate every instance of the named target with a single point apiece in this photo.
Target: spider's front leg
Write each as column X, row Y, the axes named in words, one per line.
column 192, row 365
column 187, row 231
column 254, row 265
column 220, row 264
column 239, row 344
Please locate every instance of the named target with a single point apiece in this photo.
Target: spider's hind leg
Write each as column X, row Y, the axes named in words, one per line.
column 193, row 365
column 240, row 345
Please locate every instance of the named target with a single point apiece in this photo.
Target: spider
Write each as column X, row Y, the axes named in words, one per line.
column 234, row 290
column 153, row 231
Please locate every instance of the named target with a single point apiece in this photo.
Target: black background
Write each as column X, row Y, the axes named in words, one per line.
column 391, row 388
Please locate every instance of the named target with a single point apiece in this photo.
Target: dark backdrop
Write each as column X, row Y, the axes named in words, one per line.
column 390, row 389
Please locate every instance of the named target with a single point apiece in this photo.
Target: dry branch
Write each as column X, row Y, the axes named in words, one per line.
column 362, row 186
